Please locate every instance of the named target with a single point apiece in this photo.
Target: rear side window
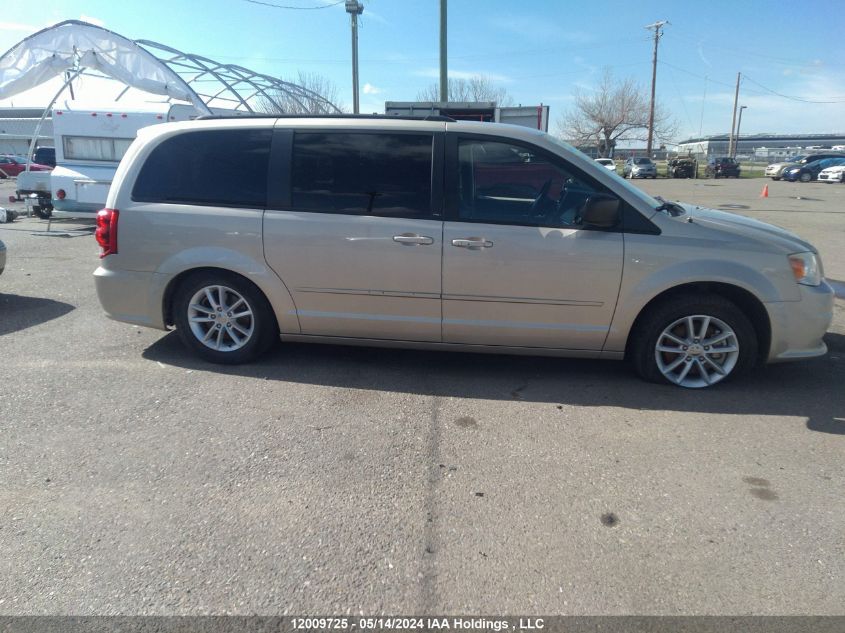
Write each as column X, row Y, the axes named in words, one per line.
column 380, row 174
column 210, row 167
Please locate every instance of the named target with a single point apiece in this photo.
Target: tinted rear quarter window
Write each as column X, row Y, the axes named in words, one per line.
column 382, row 174
column 207, row 167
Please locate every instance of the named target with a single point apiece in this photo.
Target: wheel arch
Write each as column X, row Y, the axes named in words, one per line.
column 750, row 305
column 176, row 282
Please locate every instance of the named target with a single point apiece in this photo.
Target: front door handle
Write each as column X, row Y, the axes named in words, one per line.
column 413, row 238
column 473, row 243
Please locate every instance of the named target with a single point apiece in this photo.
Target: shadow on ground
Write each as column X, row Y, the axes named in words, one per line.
column 18, row 312
column 811, row 389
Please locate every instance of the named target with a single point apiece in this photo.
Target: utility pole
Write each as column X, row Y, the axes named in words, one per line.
column 657, row 33
column 354, row 9
column 733, row 121
column 444, row 78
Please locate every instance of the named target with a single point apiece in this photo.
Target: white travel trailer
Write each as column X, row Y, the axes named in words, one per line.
column 89, row 145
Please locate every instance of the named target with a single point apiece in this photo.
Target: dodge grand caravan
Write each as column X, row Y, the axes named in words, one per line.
column 441, row 234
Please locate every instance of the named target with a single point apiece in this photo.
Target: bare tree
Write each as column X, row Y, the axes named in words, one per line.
column 476, row 88
column 310, row 93
column 615, row 111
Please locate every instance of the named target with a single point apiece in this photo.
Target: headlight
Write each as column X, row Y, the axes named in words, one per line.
column 806, row 268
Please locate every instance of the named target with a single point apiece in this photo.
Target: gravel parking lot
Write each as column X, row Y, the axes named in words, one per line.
column 135, row 479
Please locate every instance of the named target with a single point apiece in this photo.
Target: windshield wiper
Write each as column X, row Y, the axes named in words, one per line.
column 671, row 208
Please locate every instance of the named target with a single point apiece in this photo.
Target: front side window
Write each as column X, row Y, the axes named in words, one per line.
column 210, row 167
column 95, row 148
column 380, row 174
column 511, row 184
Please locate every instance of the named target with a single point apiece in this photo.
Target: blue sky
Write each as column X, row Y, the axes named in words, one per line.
column 539, row 50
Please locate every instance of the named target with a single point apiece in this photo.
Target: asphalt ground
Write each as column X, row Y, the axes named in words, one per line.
column 135, row 479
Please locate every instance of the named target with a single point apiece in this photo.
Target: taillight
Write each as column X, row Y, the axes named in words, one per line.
column 106, row 232
column 60, row 194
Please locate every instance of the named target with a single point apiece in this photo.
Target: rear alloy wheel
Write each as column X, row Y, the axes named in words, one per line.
column 224, row 319
column 694, row 342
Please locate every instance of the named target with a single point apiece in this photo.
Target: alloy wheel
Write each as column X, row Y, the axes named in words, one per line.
column 697, row 351
column 220, row 318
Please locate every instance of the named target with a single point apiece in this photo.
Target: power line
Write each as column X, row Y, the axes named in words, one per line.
column 282, row 6
column 757, row 83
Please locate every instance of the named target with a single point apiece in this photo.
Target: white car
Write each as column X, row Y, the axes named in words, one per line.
column 607, row 163
column 832, row 174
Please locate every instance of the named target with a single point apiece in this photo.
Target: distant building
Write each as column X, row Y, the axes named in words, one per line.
column 760, row 146
column 17, row 125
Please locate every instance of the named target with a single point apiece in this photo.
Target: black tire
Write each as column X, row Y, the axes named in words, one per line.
column 42, row 213
column 651, row 324
column 775, row 177
column 261, row 324
column 805, row 177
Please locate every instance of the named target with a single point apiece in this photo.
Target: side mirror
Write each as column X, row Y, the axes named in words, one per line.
column 601, row 211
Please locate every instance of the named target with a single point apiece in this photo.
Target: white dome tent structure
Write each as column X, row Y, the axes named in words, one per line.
column 74, row 48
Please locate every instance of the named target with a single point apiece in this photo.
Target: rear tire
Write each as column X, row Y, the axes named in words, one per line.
column 224, row 318
column 720, row 345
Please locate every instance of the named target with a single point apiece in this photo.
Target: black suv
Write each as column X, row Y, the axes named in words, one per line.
column 721, row 167
column 45, row 156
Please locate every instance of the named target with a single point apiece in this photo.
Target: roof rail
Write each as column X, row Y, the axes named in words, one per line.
column 428, row 117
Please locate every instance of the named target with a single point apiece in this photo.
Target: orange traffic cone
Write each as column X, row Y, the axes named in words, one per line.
column 765, row 192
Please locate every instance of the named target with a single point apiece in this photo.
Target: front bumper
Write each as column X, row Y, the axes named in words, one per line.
column 133, row 297
column 774, row 172
column 835, row 177
column 798, row 326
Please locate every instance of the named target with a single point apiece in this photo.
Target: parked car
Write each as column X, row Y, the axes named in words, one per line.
column 682, row 167
column 445, row 235
column 11, row 166
column 810, row 171
column 607, row 162
column 639, row 168
column 2, row 257
column 722, row 167
column 775, row 170
column 835, row 173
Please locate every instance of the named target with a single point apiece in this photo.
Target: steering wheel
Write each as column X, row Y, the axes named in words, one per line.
column 535, row 210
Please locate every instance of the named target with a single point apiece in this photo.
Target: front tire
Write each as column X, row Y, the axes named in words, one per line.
column 693, row 342
column 805, row 177
column 224, row 318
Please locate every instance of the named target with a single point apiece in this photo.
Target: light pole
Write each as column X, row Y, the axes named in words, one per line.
column 354, row 9
column 738, row 124
column 444, row 79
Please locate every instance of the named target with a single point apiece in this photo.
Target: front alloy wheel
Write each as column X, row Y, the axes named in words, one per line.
column 696, row 351
column 693, row 341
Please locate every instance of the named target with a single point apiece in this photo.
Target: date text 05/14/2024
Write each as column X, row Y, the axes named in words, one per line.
column 413, row 623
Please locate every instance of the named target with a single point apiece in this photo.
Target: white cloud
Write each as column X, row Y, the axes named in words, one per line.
column 92, row 20
column 370, row 89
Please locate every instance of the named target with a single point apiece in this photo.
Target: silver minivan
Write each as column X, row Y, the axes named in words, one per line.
column 441, row 234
